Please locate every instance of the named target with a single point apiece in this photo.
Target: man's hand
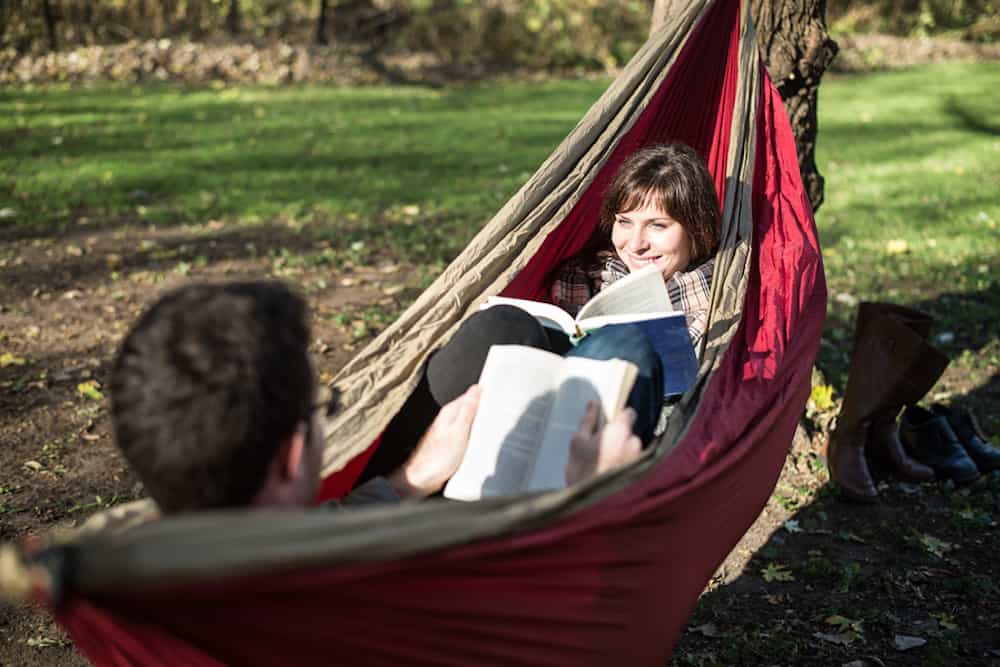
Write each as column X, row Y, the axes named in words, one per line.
column 592, row 452
column 439, row 452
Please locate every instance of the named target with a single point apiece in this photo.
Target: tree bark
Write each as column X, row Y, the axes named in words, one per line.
column 796, row 49
column 321, row 37
column 50, row 25
column 233, row 18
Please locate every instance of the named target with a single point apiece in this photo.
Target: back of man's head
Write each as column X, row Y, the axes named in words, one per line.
column 206, row 386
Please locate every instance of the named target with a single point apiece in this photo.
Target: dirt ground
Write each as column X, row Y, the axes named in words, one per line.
column 815, row 580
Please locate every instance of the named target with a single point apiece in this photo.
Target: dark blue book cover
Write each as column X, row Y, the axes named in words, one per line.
column 669, row 337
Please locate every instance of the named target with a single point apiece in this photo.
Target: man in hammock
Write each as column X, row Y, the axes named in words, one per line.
column 213, row 402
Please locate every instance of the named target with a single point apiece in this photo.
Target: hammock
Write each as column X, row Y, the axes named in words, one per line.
column 606, row 571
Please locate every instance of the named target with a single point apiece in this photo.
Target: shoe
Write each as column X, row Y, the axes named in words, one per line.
column 965, row 426
column 892, row 365
column 929, row 439
column 886, row 453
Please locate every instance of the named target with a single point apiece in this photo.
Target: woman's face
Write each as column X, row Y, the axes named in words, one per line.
column 648, row 235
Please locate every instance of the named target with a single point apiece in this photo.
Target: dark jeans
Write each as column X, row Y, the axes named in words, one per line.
column 451, row 370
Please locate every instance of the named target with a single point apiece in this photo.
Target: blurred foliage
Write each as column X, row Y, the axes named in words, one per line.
column 458, row 32
column 528, row 32
column 977, row 20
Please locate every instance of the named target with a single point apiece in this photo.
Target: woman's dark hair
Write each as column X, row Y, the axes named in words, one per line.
column 675, row 178
column 206, row 386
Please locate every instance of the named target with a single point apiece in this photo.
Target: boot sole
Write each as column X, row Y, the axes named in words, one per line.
column 857, row 498
column 964, row 480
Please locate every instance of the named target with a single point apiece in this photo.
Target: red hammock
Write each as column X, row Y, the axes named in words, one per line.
column 612, row 583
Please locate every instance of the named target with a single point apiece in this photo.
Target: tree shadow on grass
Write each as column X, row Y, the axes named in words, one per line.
column 968, row 119
column 184, row 156
column 56, row 270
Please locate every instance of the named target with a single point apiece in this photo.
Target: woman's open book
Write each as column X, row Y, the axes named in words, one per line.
column 531, row 406
column 640, row 299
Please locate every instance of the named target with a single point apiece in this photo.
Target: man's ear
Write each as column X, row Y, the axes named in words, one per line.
column 290, row 454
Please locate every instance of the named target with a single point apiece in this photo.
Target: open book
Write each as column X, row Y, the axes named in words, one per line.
column 639, row 298
column 531, row 406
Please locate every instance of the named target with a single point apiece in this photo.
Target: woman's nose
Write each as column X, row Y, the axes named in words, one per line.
column 637, row 242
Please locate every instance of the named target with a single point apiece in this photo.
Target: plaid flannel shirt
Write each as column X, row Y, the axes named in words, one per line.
column 689, row 291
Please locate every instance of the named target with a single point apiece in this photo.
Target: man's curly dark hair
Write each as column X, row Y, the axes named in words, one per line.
column 206, row 386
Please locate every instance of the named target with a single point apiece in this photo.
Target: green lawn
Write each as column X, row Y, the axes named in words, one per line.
column 347, row 159
column 912, row 161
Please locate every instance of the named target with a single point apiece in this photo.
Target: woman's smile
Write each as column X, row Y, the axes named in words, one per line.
column 648, row 235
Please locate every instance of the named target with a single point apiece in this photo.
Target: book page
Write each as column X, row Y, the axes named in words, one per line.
column 599, row 321
column 548, row 314
column 518, row 385
column 606, row 382
column 643, row 291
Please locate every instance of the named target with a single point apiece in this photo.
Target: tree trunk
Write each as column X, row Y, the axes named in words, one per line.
column 233, row 18
column 50, row 25
column 796, row 49
column 321, row 37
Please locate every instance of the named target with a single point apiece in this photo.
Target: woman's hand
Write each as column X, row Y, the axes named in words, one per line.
column 592, row 452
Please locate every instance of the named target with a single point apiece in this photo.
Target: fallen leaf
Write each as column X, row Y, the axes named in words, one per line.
column 844, row 639
column 905, row 642
column 33, row 465
column 792, row 526
column 848, row 536
column 934, row 545
column 777, row 572
column 843, row 623
column 90, row 389
column 708, row 630
column 946, row 621
column 8, row 359
column 41, row 642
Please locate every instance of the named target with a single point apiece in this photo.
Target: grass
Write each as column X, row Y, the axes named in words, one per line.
column 912, row 161
column 350, row 159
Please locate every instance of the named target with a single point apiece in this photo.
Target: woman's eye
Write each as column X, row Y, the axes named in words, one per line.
column 658, row 226
column 623, row 222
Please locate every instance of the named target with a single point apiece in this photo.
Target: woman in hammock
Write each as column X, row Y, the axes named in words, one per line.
column 661, row 208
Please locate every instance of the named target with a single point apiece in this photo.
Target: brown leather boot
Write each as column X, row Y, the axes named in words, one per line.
column 891, row 365
column 884, row 449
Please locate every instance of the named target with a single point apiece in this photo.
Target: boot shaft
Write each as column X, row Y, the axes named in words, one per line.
column 892, row 364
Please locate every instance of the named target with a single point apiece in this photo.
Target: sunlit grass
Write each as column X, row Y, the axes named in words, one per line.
column 911, row 158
